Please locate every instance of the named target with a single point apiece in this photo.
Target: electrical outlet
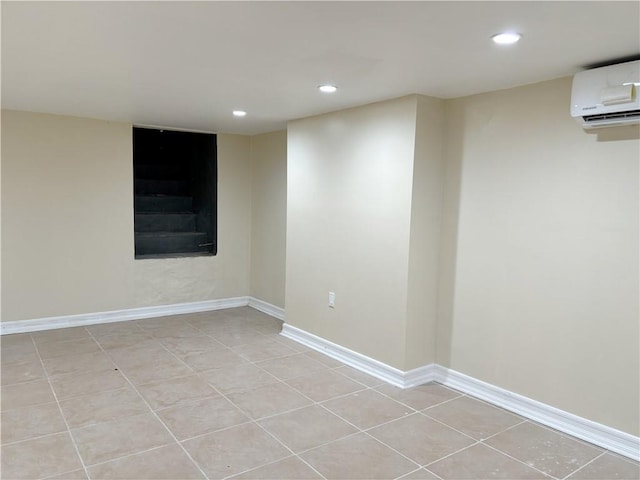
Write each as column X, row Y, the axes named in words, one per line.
column 332, row 299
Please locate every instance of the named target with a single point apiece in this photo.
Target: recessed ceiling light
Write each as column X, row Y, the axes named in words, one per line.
column 507, row 38
column 327, row 88
column 239, row 113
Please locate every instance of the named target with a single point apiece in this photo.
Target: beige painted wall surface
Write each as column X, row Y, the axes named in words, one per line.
column 67, row 217
column 179, row 280
column 269, row 217
column 545, row 302
column 67, row 223
column 424, row 247
column 349, row 179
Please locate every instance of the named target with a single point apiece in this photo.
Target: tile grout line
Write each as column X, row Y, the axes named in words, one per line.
column 413, row 408
column 518, row 460
column 64, row 419
column 154, row 414
column 251, row 420
column 160, row 342
column 531, row 466
column 158, row 447
column 583, row 466
column 466, row 434
column 505, row 430
column 255, row 421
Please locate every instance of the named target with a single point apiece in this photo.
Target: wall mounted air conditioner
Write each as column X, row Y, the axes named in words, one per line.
column 607, row 96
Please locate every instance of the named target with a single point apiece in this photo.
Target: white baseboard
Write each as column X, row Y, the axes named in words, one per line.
column 361, row 362
column 595, row 433
column 51, row 323
column 267, row 308
column 592, row 432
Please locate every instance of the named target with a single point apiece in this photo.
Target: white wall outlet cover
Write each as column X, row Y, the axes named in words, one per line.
column 332, row 299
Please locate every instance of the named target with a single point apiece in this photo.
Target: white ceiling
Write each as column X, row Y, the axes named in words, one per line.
column 189, row 64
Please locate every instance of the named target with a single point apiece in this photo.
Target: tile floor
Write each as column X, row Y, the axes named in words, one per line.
column 222, row 395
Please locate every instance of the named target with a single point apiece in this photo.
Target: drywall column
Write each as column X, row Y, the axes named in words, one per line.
column 424, row 242
column 268, row 216
column 352, row 182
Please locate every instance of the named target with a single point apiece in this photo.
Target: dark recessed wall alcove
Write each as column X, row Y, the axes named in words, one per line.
column 175, row 185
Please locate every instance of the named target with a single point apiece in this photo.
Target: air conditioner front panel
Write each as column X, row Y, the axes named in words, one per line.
column 607, row 96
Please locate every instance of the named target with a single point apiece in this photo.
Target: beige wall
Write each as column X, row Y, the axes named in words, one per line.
column 348, row 217
column 541, row 296
column 424, row 241
column 67, row 196
column 268, row 217
column 67, row 223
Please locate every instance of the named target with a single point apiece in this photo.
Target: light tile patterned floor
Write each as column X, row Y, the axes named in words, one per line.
column 222, row 395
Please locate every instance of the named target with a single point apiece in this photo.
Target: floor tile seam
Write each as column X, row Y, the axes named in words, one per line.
column 226, row 397
column 127, row 322
column 64, row 419
column 395, row 399
column 359, row 429
column 394, row 449
column 256, row 468
column 76, row 397
column 247, row 359
column 583, row 466
column 66, row 354
column 505, row 430
column 274, row 462
column 35, row 342
column 441, row 403
column 44, row 377
column 494, row 406
column 255, row 422
column 463, row 433
column 287, row 447
column 209, row 337
column 163, row 424
column 267, row 372
column 364, row 387
column 146, row 450
column 175, row 439
column 324, row 444
column 357, row 381
column 332, row 398
column 200, row 435
column 37, row 437
column 342, row 395
column 19, row 362
column 293, row 355
column 292, row 378
column 416, row 413
column 187, row 402
column 22, row 407
column 58, row 475
column 178, row 358
column 568, row 436
column 408, row 473
column 521, row 461
column 302, row 452
column 455, row 452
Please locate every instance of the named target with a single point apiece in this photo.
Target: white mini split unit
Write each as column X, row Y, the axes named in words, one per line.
column 607, row 96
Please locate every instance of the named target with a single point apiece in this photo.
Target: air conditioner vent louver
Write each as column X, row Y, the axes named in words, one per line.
column 631, row 114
